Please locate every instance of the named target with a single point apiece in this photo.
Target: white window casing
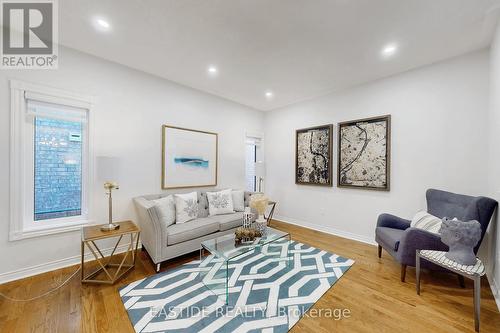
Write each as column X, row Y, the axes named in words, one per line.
column 44, row 101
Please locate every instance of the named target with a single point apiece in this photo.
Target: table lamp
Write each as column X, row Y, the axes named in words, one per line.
column 108, row 172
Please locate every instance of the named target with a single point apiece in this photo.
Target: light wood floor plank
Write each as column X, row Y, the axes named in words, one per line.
column 371, row 290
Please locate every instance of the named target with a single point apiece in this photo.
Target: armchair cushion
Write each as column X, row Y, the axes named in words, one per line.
column 389, row 237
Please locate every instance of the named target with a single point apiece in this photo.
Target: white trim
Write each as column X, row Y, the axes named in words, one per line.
column 495, row 290
column 56, row 264
column 35, row 88
column 48, row 230
column 326, row 229
column 19, row 226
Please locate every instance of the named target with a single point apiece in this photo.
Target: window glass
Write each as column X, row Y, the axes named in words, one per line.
column 57, row 168
column 250, row 159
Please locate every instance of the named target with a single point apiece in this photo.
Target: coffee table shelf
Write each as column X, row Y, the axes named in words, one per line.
column 224, row 252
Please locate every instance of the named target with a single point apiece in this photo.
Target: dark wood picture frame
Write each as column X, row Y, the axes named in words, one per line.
column 387, row 119
column 163, row 152
column 329, row 127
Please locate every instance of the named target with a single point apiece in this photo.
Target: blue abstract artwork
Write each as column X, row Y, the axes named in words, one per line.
column 192, row 161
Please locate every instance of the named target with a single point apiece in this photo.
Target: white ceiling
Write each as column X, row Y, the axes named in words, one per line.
column 298, row 49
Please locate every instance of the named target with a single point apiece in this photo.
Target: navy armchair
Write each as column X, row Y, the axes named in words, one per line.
column 401, row 241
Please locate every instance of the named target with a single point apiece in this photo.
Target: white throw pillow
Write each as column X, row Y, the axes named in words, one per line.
column 165, row 208
column 220, row 202
column 238, row 200
column 186, row 207
column 426, row 221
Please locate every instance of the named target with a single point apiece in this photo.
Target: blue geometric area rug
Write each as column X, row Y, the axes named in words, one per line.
column 265, row 293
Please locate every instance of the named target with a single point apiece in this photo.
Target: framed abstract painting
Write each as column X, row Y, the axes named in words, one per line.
column 313, row 156
column 365, row 153
column 189, row 158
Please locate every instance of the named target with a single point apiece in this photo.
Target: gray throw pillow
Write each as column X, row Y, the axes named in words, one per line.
column 165, row 208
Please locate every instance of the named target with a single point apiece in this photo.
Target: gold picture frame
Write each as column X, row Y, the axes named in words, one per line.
column 164, row 157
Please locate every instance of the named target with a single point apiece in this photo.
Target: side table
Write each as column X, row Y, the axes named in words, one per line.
column 473, row 272
column 93, row 233
column 271, row 212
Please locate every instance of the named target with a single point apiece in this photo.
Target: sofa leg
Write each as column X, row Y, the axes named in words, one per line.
column 380, row 251
column 158, row 267
column 461, row 281
column 403, row 273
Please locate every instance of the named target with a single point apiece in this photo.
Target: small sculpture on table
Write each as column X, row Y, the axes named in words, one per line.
column 461, row 237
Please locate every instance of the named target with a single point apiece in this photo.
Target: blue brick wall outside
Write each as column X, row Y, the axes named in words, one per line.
column 58, row 168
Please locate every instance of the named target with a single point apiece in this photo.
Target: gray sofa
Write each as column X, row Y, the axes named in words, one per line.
column 163, row 243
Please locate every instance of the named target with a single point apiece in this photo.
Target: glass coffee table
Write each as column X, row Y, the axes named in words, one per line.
column 225, row 255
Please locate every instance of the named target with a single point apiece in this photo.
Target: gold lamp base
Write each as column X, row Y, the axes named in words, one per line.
column 110, row 226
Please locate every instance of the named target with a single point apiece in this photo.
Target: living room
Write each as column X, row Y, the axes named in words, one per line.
column 264, row 166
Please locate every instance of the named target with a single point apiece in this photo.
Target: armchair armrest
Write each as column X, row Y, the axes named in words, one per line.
column 414, row 239
column 392, row 221
column 153, row 233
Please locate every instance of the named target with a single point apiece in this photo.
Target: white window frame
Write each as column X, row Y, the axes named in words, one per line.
column 21, row 162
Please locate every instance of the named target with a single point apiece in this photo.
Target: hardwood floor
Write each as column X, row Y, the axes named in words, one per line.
column 371, row 290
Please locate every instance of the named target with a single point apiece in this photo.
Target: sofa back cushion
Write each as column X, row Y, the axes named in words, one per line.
column 238, row 200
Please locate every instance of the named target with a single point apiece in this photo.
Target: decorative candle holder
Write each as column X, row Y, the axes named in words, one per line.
column 247, row 218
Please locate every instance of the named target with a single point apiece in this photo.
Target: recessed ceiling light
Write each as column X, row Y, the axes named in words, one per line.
column 269, row 94
column 101, row 24
column 389, row 50
column 212, row 70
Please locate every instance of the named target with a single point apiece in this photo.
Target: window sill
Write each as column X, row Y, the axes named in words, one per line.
column 47, row 230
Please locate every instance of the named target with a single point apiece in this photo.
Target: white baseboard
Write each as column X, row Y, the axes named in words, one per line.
column 494, row 289
column 326, row 229
column 56, row 264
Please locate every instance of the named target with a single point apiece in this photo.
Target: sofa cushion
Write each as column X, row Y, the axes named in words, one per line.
column 229, row 221
column 389, row 237
column 178, row 233
column 202, row 204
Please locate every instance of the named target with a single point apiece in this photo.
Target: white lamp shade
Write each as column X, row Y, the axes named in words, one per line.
column 260, row 169
column 108, row 169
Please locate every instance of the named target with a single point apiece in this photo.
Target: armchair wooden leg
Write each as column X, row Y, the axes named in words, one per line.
column 403, row 273
column 380, row 251
column 461, row 281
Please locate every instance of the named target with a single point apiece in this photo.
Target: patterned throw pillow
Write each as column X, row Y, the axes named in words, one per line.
column 220, row 202
column 186, row 207
column 165, row 208
column 426, row 221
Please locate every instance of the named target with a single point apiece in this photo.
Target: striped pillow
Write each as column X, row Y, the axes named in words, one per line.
column 425, row 221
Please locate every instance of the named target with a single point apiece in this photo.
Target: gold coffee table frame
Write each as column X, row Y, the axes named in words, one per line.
column 91, row 234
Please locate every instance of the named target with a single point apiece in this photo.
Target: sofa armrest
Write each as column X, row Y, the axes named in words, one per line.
column 414, row 239
column 153, row 233
column 392, row 221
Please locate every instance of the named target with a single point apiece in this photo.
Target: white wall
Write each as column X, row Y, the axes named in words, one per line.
column 439, row 140
column 492, row 253
column 131, row 107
